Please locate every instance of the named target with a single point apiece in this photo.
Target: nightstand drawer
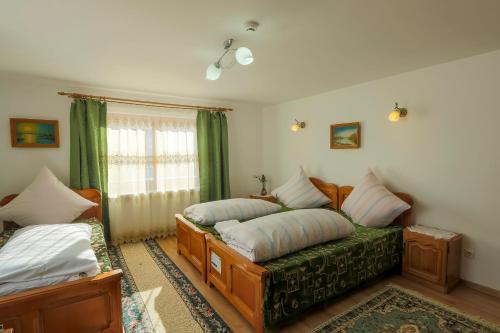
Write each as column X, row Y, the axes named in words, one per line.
column 425, row 259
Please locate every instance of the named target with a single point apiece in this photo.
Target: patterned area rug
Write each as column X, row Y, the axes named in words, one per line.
column 157, row 296
column 398, row 310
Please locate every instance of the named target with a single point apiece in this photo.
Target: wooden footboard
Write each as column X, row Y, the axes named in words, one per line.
column 81, row 306
column 240, row 281
column 191, row 244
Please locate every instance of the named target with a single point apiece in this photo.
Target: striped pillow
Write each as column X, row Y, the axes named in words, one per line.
column 298, row 192
column 372, row 205
column 209, row 213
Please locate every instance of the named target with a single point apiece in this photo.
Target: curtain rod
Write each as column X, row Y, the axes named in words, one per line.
column 144, row 103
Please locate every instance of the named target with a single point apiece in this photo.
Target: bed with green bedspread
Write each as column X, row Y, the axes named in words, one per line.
column 97, row 241
column 316, row 274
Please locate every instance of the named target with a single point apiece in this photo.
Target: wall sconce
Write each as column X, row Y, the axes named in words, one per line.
column 298, row 125
column 397, row 113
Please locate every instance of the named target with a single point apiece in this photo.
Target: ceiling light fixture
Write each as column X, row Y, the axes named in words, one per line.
column 251, row 26
column 243, row 55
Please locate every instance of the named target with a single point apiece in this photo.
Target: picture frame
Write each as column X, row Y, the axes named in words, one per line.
column 345, row 135
column 34, row 133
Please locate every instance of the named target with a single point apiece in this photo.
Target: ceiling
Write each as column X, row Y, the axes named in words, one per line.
column 301, row 48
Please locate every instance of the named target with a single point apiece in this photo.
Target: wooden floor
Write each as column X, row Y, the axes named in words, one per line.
column 463, row 298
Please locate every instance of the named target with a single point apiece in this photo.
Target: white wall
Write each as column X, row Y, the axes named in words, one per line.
column 30, row 97
column 445, row 153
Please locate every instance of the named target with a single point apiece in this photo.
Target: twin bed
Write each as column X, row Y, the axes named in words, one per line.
column 90, row 304
column 270, row 293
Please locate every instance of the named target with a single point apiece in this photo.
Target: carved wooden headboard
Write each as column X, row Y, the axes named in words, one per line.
column 404, row 219
column 328, row 189
column 89, row 194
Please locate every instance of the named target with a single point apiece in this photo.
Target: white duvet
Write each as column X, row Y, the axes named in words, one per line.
column 276, row 235
column 42, row 255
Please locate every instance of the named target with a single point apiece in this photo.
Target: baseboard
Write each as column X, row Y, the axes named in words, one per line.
column 481, row 288
column 443, row 288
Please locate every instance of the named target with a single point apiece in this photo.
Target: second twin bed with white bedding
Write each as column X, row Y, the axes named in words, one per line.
column 285, row 260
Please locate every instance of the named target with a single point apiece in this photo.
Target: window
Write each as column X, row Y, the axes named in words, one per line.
column 148, row 154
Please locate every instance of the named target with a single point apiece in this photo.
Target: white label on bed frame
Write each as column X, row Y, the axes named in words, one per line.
column 216, row 262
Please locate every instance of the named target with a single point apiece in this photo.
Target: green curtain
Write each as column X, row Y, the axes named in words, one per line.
column 211, row 129
column 89, row 152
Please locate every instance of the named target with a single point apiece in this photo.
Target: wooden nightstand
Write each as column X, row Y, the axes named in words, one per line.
column 267, row 197
column 432, row 257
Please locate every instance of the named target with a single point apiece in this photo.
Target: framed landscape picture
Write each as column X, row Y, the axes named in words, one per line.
column 345, row 136
column 33, row 133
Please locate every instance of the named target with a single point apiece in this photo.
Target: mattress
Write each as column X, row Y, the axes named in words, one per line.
column 98, row 242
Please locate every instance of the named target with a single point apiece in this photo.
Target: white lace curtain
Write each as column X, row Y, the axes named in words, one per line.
column 153, row 174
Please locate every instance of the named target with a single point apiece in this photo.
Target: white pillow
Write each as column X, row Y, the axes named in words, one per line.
column 45, row 201
column 298, row 192
column 209, row 213
column 372, row 205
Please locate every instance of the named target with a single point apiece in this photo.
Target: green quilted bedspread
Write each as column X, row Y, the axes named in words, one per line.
column 311, row 276
column 97, row 241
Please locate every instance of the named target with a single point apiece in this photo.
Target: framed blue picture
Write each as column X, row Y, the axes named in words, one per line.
column 345, row 136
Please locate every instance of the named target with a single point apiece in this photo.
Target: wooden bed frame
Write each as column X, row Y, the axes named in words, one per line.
column 87, row 305
column 191, row 240
column 242, row 282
